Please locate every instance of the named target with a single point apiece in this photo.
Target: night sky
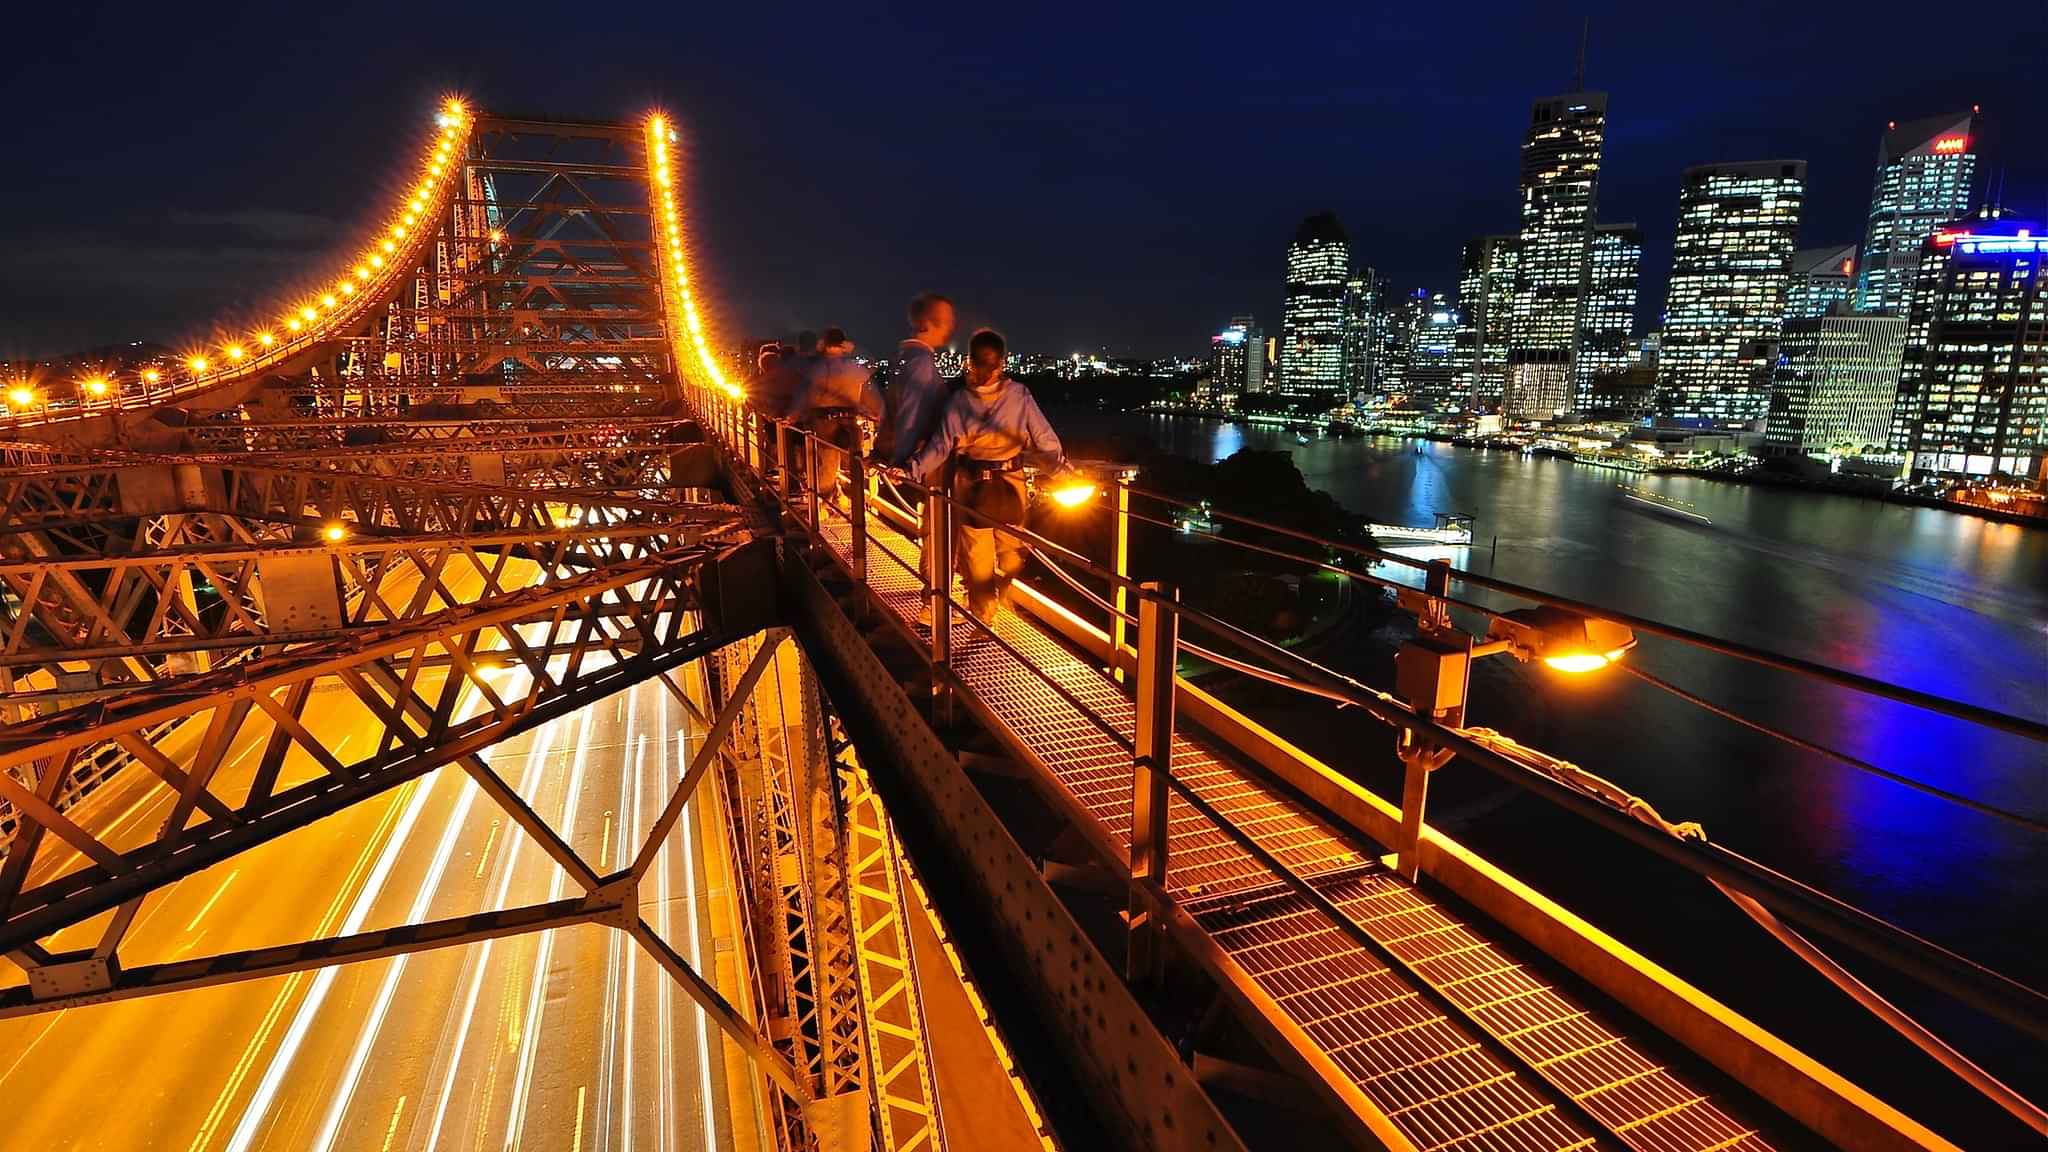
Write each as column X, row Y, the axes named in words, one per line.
column 1100, row 176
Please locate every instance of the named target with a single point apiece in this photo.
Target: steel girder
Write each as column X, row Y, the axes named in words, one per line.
column 611, row 628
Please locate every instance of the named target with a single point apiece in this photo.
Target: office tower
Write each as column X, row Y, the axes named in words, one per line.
column 1432, row 376
column 1836, row 379
column 1486, row 293
column 1394, row 332
column 1312, row 327
column 1973, row 380
column 1361, row 300
column 1821, row 279
column 1730, row 267
column 1614, row 266
column 1560, row 185
column 1924, row 172
column 1236, row 363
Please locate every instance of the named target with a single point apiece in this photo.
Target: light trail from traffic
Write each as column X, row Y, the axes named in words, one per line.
column 386, row 1055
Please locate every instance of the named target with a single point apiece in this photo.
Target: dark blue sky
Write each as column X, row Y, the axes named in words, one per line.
column 1079, row 176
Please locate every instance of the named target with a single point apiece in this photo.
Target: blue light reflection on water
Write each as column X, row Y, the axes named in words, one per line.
column 1942, row 602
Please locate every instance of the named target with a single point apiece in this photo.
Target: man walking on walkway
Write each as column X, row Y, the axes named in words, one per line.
column 918, row 393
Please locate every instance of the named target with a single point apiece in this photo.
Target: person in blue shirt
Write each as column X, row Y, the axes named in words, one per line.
column 918, row 392
column 989, row 430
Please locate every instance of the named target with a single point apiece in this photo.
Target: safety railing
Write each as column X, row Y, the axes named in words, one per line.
column 1149, row 624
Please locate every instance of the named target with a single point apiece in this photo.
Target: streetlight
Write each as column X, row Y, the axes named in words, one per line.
column 1562, row 639
column 1433, row 673
column 334, row 532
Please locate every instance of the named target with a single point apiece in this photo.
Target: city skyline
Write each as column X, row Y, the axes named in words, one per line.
column 1150, row 265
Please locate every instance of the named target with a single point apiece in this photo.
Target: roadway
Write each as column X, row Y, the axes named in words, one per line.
column 570, row 1039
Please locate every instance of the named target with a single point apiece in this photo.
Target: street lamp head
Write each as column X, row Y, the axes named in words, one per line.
column 1073, row 492
column 1561, row 639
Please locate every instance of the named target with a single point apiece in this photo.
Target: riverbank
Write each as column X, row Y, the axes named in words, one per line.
column 1862, row 488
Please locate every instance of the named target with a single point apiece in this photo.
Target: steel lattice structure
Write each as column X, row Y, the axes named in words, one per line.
column 456, row 496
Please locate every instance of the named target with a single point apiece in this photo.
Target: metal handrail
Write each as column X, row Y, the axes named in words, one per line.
column 1961, row 710
column 1983, row 988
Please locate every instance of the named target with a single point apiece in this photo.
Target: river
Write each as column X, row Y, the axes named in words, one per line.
column 1935, row 600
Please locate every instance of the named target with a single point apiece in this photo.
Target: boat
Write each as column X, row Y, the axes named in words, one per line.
column 1301, row 437
column 1453, row 529
column 1661, row 504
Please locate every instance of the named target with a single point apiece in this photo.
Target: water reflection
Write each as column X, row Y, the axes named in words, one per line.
column 1935, row 600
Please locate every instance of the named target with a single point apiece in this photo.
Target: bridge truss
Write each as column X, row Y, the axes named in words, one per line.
column 452, row 493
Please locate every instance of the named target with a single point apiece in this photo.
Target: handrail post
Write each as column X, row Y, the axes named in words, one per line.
column 1151, row 764
column 811, row 478
column 939, row 506
column 857, row 515
column 1120, row 563
column 1432, row 673
column 782, row 461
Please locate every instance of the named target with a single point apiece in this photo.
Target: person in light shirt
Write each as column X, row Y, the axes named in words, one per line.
column 837, row 393
column 989, row 430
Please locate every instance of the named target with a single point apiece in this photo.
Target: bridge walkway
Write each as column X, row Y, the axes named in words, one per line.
column 1452, row 1035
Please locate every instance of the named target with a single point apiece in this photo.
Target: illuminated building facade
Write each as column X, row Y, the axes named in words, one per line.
column 1731, row 266
column 1560, row 186
column 1312, row 326
column 1363, row 333
column 1486, row 301
column 1924, row 173
column 1237, row 363
column 1973, row 379
column 1822, row 280
column 1432, row 379
column 1614, row 267
column 1834, row 385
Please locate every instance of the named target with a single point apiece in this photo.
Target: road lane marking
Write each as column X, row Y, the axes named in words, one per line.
column 536, row 1002
column 32, row 1044
column 208, row 906
column 430, row 886
column 485, row 855
column 391, row 1129
column 576, row 1144
column 529, row 780
column 688, row 822
column 244, row 1137
column 292, row 982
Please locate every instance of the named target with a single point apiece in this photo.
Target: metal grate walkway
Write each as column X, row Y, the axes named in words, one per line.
column 1447, row 1083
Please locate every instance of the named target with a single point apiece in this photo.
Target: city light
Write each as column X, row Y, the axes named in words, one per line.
column 436, row 165
column 1576, row 662
column 1952, row 144
column 682, row 304
column 1073, row 493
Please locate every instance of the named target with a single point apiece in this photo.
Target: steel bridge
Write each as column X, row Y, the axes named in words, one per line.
column 484, row 500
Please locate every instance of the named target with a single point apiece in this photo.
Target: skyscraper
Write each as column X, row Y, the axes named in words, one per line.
column 1924, row 172
column 1432, row 377
column 1833, row 388
column 1731, row 265
column 1608, row 314
column 1560, row 186
column 1361, row 336
column 1821, row 279
column 1486, row 295
column 1312, row 327
column 1973, row 380
column 1237, row 362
